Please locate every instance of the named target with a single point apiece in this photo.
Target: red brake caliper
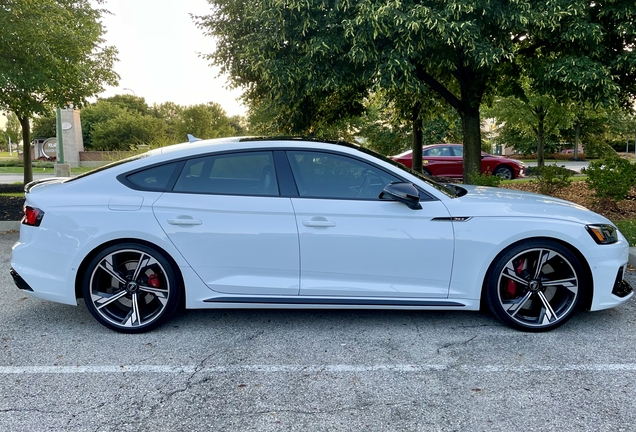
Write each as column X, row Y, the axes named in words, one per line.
column 153, row 281
column 511, row 288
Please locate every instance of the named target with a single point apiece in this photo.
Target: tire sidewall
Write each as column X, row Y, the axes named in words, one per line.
column 174, row 296
column 492, row 282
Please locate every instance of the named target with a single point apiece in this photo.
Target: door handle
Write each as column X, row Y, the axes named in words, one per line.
column 319, row 223
column 184, row 221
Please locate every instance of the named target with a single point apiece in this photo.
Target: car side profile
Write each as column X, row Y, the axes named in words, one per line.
column 296, row 223
column 447, row 160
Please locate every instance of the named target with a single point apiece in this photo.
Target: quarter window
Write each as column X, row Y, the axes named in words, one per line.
column 327, row 175
column 249, row 173
column 154, row 178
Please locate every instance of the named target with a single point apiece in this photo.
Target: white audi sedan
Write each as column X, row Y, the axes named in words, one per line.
column 292, row 223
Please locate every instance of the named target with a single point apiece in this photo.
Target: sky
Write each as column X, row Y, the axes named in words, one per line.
column 159, row 47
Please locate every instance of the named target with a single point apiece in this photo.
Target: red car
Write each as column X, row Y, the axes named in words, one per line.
column 446, row 160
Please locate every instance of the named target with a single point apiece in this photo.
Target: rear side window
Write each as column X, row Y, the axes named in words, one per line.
column 155, row 178
column 249, row 173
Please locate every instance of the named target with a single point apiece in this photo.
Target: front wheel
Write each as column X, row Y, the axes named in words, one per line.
column 504, row 172
column 130, row 288
column 535, row 286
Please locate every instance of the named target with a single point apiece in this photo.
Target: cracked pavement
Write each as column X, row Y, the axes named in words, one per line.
column 267, row 370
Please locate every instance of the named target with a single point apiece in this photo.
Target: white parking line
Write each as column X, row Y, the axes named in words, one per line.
column 337, row 368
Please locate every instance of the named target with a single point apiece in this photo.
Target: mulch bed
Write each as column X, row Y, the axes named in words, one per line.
column 11, row 207
column 578, row 193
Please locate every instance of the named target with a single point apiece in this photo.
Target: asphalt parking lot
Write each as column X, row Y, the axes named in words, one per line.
column 311, row 371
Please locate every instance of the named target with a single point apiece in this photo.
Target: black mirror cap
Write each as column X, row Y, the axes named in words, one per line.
column 403, row 192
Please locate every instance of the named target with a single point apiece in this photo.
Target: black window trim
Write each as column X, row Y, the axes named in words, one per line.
column 287, row 186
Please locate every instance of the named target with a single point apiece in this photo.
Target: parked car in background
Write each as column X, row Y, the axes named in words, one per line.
column 447, row 160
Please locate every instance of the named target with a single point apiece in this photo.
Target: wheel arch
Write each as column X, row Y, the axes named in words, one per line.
column 87, row 259
column 588, row 293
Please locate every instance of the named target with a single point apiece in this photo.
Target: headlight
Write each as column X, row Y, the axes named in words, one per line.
column 603, row 233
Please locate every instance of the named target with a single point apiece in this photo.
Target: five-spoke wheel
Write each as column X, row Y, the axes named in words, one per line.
column 130, row 288
column 535, row 286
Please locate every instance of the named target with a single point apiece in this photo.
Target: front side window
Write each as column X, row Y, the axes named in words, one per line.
column 327, row 175
column 250, row 173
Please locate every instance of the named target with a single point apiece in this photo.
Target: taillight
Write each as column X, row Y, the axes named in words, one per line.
column 32, row 216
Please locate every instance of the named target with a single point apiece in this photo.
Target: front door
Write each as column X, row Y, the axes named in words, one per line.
column 354, row 244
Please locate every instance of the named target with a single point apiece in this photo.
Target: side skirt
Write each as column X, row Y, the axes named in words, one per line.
column 331, row 302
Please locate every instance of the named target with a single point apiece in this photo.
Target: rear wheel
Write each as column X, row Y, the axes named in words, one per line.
column 535, row 286
column 426, row 171
column 130, row 288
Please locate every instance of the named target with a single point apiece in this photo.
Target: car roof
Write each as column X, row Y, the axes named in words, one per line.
column 216, row 144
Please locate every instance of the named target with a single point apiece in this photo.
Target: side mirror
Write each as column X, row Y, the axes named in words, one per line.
column 405, row 193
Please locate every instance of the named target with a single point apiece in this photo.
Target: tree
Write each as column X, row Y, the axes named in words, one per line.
column 598, row 129
column 203, row 121
column 126, row 131
column 11, row 130
column 51, row 54
column 464, row 51
column 387, row 126
column 134, row 104
column 532, row 115
column 96, row 113
column 44, row 126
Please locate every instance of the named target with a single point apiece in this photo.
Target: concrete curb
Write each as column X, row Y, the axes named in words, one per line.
column 632, row 257
column 6, row 226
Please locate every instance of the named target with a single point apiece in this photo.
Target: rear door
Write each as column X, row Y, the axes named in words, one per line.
column 441, row 161
column 228, row 220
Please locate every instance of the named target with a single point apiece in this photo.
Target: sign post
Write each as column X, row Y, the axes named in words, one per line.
column 61, row 169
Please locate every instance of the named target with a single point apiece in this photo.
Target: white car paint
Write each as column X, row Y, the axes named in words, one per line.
column 266, row 249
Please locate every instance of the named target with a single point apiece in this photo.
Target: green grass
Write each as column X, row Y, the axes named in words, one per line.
column 628, row 228
column 12, row 194
column 38, row 170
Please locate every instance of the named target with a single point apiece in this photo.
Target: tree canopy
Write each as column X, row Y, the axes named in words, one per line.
column 463, row 52
column 51, row 54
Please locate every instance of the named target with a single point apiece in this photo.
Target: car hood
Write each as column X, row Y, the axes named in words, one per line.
column 496, row 202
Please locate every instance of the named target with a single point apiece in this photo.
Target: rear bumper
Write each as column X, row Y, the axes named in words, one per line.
column 19, row 282
column 43, row 274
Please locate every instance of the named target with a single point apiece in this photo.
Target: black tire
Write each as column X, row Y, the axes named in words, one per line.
column 426, row 171
column 131, row 288
column 531, row 297
column 505, row 172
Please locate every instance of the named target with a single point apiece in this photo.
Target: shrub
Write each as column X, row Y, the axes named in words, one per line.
column 551, row 178
column 599, row 150
column 611, row 178
column 485, row 179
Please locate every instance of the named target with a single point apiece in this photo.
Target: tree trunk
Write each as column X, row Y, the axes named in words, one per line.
column 472, row 143
column 26, row 149
column 540, row 140
column 472, row 87
column 417, row 137
column 577, row 135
